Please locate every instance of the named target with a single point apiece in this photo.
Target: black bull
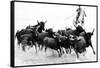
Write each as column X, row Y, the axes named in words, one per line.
column 79, row 43
column 52, row 43
column 28, row 36
column 84, row 41
column 55, row 43
column 76, row 32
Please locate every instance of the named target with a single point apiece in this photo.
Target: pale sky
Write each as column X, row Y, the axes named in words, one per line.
column 57, row 16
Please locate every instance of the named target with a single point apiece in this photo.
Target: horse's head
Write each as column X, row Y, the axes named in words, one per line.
column 80, row 29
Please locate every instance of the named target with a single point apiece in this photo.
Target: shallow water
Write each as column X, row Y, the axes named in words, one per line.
column 30, row 57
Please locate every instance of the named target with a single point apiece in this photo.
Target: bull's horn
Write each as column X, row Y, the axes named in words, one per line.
column 92, row 31
column 45, row 21
column 37, row 21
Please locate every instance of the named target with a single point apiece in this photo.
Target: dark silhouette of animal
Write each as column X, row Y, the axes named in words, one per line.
column 79, row 45
column 52, row 43
column 29, row 34
column 81, row 42
column 41, row 36
column 64, row 42
column 27, row 40
column 74, row 32
column 87, row 36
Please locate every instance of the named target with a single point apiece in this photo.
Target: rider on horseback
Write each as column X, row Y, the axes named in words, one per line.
column 80, row 16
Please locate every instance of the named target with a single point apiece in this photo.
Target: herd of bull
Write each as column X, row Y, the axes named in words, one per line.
column 63, row 41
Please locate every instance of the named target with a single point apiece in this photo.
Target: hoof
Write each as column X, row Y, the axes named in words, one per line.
column 59, row 55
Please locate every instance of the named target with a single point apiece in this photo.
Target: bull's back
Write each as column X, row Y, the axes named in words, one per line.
column 50, row 42
column 41, row 36
column 70, row 32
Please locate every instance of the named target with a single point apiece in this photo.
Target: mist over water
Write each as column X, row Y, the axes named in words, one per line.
column 30, row 57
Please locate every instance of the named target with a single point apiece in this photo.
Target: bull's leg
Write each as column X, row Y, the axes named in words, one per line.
column 33, row 42
column 92, row 48
column 42, row 47
column 36, row 49
column 28, row 43
column 23, row 48
column 84, row 54
column 18, row 42
column 66, row 51
column 60, row 50
column 70, row 49
column 77, row 54
column 39, row 45
column 31, row 45
column 45, row 49
column 58, row 53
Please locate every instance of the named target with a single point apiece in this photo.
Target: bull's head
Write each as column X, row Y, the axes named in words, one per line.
column 45, row 22
column 89, row 34
column 41, row 21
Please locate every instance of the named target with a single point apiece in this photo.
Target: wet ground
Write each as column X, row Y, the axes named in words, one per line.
column 30, row 57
